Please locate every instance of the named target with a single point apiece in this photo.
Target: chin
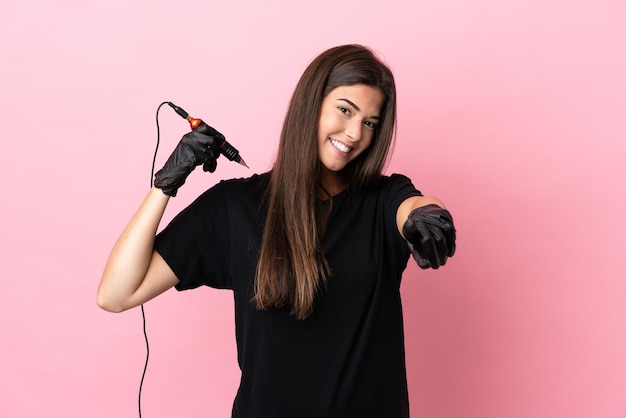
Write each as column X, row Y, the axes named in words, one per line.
column 335, row 168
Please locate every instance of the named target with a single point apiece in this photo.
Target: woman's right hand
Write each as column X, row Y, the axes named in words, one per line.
column 193, row 150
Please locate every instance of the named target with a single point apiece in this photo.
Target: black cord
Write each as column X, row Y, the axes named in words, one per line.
column 145, row 367
column 143, row 312
column 156, row 148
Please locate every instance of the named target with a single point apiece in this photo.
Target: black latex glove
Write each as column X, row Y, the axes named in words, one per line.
column 430, row 233
column 192, row 150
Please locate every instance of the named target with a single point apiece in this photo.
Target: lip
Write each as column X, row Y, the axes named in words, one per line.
column 332, row 142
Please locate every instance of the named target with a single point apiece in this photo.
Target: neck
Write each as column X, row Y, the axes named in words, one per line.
column 330, row 183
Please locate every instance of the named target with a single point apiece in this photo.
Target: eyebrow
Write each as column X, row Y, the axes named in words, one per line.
column 358, row 109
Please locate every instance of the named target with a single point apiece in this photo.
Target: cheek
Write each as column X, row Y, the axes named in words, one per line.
column 368, row 138
column 329, row 123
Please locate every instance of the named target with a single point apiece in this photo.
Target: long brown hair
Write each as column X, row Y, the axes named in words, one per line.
column 292, row 266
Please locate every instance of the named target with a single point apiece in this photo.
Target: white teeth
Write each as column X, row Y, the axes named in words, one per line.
column 340, row 146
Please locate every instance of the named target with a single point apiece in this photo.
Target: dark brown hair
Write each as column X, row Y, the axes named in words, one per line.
column 292, row 266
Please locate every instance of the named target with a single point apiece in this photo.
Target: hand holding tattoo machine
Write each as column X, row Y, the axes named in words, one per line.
column 202, row 146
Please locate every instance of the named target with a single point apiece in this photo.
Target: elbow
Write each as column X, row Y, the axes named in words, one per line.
column 109, row 305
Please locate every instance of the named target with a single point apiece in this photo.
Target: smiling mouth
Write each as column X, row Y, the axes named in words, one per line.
column 341, row 147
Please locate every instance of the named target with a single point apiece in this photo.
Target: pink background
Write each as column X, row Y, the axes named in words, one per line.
column 513, row 113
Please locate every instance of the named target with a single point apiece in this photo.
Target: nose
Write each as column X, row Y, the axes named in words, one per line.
column 354, row 130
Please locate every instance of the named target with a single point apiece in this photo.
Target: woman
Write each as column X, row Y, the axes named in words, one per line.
column 313, row 250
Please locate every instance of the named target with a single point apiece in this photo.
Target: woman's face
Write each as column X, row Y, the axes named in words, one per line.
column 348, row 120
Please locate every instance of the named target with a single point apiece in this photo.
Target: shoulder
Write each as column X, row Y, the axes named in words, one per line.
column 396, row 185
column 256, row 181
column 236, row 188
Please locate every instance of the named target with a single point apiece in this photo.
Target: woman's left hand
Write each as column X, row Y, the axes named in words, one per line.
column 431, row 235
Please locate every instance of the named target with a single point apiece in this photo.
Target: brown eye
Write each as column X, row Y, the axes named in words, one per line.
column 370, row 124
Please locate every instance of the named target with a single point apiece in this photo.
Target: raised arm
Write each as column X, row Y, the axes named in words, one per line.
column 429, row 230
column 134, row 272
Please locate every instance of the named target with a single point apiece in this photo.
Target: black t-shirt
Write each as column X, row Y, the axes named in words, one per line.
column 347, row 359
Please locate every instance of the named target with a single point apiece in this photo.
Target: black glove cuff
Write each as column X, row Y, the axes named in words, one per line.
column 434, row 215
column 170, row 180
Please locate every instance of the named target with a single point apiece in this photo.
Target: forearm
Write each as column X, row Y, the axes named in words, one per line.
column 413, row 203
column 131, row 255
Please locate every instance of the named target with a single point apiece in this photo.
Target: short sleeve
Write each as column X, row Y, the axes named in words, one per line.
column 400, row 189
column 397, row 189
column 190, row 245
